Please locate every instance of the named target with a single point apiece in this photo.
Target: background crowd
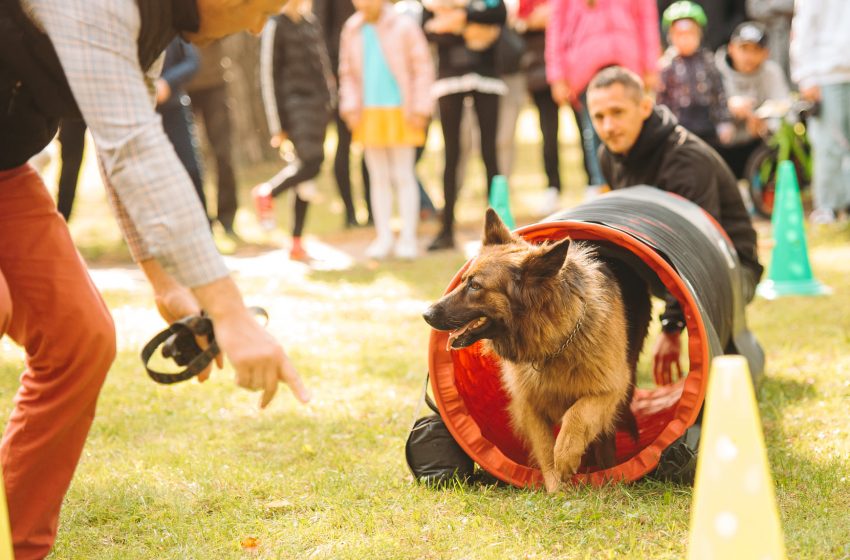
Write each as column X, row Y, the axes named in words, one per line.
column 381, row 72
column 385, row 72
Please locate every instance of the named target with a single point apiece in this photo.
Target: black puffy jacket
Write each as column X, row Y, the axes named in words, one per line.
column 298, row 86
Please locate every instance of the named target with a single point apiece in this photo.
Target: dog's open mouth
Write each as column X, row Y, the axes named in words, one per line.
column 467, row 328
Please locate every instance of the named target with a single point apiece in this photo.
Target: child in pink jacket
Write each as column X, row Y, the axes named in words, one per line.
column 585, row 36
column 385, row 77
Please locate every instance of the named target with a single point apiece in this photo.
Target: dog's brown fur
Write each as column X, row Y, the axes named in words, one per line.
column 536, row 299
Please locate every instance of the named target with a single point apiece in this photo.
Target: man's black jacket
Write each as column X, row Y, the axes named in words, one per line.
column 669, row 157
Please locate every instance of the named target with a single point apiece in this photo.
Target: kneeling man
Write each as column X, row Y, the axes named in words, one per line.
column 643, row 144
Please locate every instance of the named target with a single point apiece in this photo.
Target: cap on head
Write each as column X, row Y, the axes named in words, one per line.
column 683, row 9
column 750, row 32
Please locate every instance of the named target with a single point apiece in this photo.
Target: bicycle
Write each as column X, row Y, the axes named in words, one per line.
column 787, row 141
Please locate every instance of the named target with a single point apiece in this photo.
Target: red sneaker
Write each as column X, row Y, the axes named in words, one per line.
column 264, row 206
column 297, row 252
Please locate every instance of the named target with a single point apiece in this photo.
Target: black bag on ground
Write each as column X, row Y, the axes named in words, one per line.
column 433, row 455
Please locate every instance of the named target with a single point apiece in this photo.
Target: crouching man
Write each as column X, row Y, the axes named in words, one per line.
column 643, row 144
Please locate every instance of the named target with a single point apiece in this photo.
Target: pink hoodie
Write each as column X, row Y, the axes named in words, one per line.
column 406, row 51
column 584, row 36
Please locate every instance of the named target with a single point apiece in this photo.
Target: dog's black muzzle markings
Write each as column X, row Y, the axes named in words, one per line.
column 466, row 326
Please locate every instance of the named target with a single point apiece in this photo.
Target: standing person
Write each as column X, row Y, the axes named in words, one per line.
column 296, row 80
column 584, row 36
column 208, row 91
column 750, row 79
column 180, row 64
column 427, row 210
column 722, row 15
column 644, row 145
column 690, row 83
column 72, row 137
column 776, row 16
column 820, row 66
column 509, row 50
column 95, row 59
column 532, row 20
column 465, row 36
column 332, row 15
column 385, row 77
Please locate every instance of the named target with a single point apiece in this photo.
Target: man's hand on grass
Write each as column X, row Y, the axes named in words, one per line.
column 666, row 358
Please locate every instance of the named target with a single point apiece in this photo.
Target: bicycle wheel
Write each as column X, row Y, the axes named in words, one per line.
column 760, row 173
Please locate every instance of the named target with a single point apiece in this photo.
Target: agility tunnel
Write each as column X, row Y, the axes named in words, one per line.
column 676, row 247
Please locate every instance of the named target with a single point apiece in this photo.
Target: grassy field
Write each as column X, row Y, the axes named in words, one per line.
column 197, row 471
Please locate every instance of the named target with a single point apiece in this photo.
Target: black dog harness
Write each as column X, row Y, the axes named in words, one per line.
column 179, row 344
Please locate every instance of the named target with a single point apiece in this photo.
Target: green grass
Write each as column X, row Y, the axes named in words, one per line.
column 190, row 471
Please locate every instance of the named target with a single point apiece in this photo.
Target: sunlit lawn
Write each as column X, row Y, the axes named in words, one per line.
column 195, row 471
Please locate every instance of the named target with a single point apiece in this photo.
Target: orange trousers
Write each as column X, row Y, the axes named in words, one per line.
column 48, row 305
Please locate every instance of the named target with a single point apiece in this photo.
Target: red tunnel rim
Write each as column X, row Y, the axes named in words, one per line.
column 466, row 431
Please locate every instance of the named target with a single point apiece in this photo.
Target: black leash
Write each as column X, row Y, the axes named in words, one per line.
column 178, row 344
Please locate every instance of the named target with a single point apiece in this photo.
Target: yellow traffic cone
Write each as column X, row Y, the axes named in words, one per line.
column 5, row 532
column 734, row 514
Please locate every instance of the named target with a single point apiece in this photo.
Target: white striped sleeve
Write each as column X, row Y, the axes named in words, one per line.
column 267, row 76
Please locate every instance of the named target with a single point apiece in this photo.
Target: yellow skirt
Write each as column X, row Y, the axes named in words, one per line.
column 382, row 127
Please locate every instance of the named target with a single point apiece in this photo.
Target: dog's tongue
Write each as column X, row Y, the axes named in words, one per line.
column 456, row 333
column 453, row 335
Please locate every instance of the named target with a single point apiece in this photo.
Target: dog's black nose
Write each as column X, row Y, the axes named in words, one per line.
column 429, row 315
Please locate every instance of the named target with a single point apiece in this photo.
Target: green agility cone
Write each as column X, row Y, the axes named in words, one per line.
column 790, row 272
column 500, row 200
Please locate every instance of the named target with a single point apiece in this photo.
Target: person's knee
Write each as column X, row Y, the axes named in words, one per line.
column 5, row 307
column 100, row 338
column 91, row 343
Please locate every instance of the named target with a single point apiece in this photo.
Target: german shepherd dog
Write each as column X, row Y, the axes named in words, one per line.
column 569, row 342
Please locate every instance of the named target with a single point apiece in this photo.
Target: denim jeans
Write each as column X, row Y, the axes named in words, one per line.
column 830, row 137
column 590, row 142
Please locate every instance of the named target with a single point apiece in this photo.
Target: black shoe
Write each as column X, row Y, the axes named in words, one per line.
column 351, row 223
column 444, row 240
column 231, row 234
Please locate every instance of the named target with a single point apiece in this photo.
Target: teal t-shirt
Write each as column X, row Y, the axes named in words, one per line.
column 380, row 88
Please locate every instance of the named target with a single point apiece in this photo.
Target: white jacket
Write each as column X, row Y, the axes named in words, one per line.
column 820, row 45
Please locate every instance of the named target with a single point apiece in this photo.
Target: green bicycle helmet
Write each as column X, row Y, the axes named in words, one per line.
column 683, row 9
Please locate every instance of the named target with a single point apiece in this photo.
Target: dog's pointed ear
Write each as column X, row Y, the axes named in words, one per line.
column 495, row 230
column 549, row 263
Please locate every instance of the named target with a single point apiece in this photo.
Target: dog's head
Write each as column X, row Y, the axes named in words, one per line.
column 505, row 281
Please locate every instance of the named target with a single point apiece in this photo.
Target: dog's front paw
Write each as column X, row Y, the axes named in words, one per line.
column 567, row 458
column 567, row 465
column 552, row 481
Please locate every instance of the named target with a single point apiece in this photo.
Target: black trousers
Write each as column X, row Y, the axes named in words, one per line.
column 179, row 127
column 736, row 155
column 342, row 171
column 72, row 136
column 451, row 111
column 548, row 111
column 210, row 105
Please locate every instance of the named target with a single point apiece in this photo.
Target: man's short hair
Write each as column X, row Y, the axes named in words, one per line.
column 612, row 75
